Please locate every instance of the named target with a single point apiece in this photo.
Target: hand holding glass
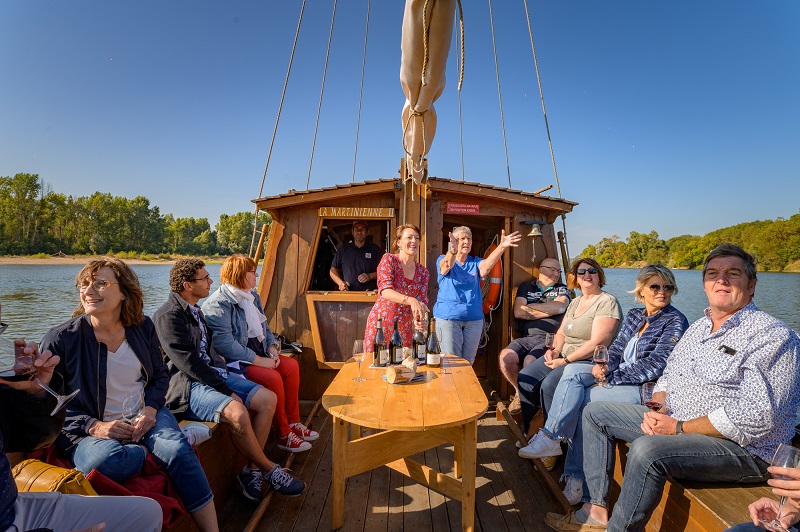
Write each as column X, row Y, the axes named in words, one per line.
column 358, row 356
column 600, row 358
column 785, row 456
column 647, row 397
column 133, row 407
column 24, row 365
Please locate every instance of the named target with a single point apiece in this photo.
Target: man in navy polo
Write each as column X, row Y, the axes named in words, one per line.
column 355, row 266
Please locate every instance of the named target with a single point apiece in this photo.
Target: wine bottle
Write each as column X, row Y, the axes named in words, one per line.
column 433, row 356
column 419, row 346
column 396, row 343
column 380, row 355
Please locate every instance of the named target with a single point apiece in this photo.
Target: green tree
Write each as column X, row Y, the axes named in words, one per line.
column 235, row 231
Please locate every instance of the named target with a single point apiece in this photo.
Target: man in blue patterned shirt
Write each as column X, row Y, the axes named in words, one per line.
column 729, row 391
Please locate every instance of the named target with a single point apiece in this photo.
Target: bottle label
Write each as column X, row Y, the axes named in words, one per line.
column 384, row 357
column 433, row 359
column 421, row 354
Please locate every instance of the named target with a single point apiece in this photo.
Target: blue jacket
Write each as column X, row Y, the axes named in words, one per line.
column 654, row 346
column 84, row 365
column 226, row 317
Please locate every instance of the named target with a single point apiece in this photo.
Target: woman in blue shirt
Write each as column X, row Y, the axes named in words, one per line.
column 458, row 313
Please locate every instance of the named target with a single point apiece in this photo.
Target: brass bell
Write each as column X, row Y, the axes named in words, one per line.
column 536, row 230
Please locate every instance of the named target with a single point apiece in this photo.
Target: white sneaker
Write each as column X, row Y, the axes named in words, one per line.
column 519, row 445
column 540, row 446
column 196, row 433
column 573, row 491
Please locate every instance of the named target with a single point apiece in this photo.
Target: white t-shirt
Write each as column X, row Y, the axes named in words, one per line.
column 124, row 377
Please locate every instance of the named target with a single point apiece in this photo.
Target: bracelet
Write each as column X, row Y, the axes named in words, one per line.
column 405, row 300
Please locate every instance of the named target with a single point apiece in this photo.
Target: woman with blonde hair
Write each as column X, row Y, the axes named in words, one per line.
column 402, row 289
column 241, row 334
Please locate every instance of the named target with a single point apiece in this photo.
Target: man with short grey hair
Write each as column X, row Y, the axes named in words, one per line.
column 729, row 395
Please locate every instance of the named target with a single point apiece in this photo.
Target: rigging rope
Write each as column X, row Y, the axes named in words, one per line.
column 321, row 92
column 361, row 93
column 499, row 94
column 460, row 82
column 546, row 122
column 275, row 128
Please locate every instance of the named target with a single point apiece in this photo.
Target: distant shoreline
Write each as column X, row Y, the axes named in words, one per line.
column 83, row 259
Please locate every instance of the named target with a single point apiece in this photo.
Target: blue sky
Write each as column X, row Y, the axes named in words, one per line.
column 680, row 117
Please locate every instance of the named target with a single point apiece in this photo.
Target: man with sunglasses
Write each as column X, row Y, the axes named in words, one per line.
column 539, row 308
column 729, row 394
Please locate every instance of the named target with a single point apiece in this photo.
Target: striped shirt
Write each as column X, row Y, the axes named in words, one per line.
column 742, row 376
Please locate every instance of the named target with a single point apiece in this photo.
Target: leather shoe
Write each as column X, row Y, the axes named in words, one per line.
column 569, row 523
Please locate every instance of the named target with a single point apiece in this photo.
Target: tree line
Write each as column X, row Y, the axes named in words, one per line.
column 35, row 219
column 775, row 243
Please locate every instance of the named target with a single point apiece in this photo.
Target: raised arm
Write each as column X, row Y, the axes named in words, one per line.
column 506, row 241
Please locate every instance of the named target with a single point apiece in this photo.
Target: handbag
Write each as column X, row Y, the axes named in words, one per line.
column 35, row 475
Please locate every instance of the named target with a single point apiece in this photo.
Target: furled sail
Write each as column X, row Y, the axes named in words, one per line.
column 427, row 33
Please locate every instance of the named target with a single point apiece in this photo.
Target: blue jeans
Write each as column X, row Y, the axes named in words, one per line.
column 537, row 386
column 460, row 338
column 750, row 527
column 651, row 459
column 170, row 448
column 574, row 391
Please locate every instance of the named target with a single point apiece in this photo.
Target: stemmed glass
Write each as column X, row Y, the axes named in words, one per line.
column 600, row 358
column 358, row 356
column 133, row 407
column 549, row 341
column 785, row 456
column 23, row 365
column 647, row 397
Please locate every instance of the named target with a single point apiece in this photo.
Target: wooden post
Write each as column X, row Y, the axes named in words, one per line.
column 270, row 252
column 260, row 246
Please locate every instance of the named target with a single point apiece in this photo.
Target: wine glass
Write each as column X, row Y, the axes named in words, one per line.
column 133, row 407
column 600, row 358
column 23, row 365
column 358, row 356
column 549, row 341
column 785, row 456
column 647, row 397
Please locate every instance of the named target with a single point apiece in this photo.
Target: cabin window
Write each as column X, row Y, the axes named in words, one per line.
column 337, row 317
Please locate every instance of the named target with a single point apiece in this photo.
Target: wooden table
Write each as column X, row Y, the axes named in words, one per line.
column 411, row 418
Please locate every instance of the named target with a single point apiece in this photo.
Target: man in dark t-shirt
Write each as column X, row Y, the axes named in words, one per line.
column 539, row 307
column 355, row 266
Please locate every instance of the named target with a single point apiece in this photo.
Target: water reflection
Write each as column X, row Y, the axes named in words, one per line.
column 36, row 297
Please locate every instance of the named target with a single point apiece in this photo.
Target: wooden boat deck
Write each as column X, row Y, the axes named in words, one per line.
column 508, row 495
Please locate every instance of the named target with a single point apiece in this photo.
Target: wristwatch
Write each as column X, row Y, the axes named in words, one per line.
column 679, row 428
column 566, row 360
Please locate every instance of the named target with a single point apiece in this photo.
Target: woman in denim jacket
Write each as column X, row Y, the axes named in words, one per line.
column 637, row 355
column 241, row 334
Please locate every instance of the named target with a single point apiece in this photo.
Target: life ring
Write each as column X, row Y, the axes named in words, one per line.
column 491, row 294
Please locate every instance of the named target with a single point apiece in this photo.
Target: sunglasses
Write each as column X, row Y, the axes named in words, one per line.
column 668, row 288
column 582, row 271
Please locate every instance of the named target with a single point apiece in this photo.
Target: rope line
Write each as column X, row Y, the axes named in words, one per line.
column 499, row 93
column 546, row 121
column 277, row 120
column 461, row 59
column 361, row 93
column 321, row 92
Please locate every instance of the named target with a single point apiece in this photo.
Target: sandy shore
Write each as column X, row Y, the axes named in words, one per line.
column 15, row 261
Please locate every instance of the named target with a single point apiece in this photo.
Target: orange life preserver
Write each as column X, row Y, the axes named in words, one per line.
column 492, row 294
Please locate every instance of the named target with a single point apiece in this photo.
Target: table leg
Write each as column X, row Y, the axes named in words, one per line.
column 469, row 452
column 341, row 428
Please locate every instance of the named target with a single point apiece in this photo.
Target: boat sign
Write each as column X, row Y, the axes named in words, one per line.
column 357, row 212
column 457, row 207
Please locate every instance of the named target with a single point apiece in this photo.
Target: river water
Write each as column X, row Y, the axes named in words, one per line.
column 37, row 297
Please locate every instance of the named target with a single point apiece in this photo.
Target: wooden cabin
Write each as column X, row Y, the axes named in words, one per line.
column 303, row 304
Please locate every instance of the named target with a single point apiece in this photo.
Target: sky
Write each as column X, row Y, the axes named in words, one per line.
column 680, row 117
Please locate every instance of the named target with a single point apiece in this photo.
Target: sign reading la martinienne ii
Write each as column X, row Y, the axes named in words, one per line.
column 357, row 212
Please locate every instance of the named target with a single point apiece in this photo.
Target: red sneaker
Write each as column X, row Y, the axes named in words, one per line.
column 293, row 444
column 304, row 432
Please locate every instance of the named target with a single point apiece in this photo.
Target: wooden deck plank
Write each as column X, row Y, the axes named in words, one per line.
column 377, row 517
column 417, row 509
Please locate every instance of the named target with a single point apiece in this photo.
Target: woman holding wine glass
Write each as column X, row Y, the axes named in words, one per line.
column 591, row 319
column 637, row 356
column 402, row 290
column 108, row 350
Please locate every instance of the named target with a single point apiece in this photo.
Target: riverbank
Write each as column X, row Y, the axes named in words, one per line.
column 83, row 259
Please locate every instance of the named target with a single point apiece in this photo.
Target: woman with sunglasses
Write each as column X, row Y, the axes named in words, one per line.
column 591, row 319
column 637, row 355
column 241, row 334
column 109, row 349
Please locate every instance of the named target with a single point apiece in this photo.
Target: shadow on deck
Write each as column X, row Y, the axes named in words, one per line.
column 508, row 495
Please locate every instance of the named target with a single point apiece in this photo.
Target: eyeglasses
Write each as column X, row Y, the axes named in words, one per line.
column 582, row 271
column 554, row 269
column 206, row 278
column 98, row 285
column 668, row 288
column 252, row 271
